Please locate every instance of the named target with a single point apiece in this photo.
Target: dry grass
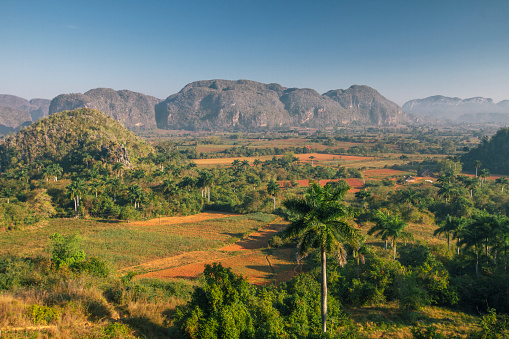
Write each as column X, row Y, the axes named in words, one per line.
column 389, row 321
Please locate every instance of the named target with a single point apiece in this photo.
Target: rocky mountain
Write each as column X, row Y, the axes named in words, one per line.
column 364, row 100
column 133, row 110
column 66, row 137
column 477, row 108
column 16, row 112
column 12, row 118
column 250, row 105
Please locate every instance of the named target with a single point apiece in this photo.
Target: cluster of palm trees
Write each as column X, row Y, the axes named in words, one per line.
column 482, row 235
column 390, row 227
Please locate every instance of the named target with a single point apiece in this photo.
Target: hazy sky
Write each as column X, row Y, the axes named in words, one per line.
column 405, row 49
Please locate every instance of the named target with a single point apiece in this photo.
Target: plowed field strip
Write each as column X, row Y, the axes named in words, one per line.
column 183, row 220
column 244, row 257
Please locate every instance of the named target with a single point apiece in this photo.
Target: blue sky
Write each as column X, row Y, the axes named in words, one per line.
column 404, row 49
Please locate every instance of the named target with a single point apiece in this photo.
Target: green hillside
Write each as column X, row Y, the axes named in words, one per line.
column 493, row 153
column 69, row 136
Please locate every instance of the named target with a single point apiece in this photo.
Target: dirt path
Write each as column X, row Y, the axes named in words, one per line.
column 244, row 257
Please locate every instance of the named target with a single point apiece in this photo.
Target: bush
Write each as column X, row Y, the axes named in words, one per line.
column 15, row 272
column 43, row 314
column 66, row 250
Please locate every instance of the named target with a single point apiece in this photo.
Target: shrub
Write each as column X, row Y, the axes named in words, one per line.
column 43, row 314
column 66, row 250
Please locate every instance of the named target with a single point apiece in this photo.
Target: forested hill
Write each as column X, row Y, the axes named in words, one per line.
column 247, row 105
column 71, row 136
column 493, row 153
column 133, row 110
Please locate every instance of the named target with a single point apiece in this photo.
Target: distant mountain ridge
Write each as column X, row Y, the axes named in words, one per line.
column 248, row 105
column 477, row 109
column 16, row 112
column 133, row 110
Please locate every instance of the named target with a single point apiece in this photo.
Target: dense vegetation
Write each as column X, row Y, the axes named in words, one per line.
column 397, row 267
column 493, row 153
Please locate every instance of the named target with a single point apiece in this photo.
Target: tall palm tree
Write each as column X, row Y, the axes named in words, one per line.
column 502, row 239
column 503, row 182
column 471, row 183
column 205, row 181
column 396, row 230
column 359, row 252
column 484, row 174
column 381, row 227
column 272, row 189
column 320, row 220
column 446, row 190
column 477, row 165
column 312, row 157
column 76, row 189
column 476, row 235
column 448, row 227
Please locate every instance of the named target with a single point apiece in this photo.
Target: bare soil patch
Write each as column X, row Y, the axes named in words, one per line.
column 182, row 219
column 248, row 257
column 330, row 157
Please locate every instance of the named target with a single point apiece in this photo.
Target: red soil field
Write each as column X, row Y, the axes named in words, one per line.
column 244, row 257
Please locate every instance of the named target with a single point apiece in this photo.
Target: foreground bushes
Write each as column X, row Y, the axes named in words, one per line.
column 228, row 307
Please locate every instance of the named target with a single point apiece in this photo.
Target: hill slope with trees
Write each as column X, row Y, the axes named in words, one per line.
column 64, row 136
column 493, row 153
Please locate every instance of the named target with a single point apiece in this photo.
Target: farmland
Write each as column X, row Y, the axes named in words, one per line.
column 207, row 199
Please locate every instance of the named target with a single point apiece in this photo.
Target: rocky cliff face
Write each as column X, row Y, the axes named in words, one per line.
column 249, row 105
column 457, row 109
column 367, row 104
column 134, row 110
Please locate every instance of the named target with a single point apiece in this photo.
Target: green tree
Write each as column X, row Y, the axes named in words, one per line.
column 396, row 230
column 477, row 165
column 273, row 189
column 484, row 174
column 381, row 227
column 446, row 190
column 66, row 250
column 218, row 309
column 502, row 181
column 136, row 195
column 76, row 189
column 320, row 220
column 312, row 157
column 448, row 227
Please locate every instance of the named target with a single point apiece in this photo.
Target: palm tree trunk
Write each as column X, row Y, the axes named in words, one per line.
column 476, row 262
column 358, row 266
column 447, row 242
column 324, row 291
column 394, row 245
